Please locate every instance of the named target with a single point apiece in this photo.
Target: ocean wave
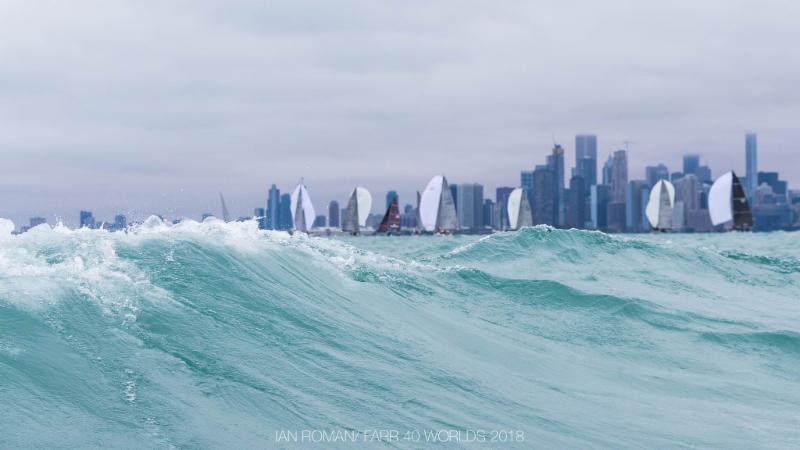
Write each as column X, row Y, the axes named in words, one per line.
column 212, row 334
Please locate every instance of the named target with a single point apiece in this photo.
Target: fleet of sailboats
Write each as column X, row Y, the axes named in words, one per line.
column 436, row 210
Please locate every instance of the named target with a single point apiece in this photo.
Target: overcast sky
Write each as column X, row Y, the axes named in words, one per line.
column 156, row 106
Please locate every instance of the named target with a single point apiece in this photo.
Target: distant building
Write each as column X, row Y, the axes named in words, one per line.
column 600, row 194
column 545, row 208
column 690, row 164
column 555, row 162
column 619, row 176
column 586, row 158
column 333, row 214
column 501, row 205
column 319, row 222
column 408, row 219
column 634, row 206
column 272, row 220
column 36, row 221
column 87, row 219
column 607, row 168
column 675, row 177
column 751, row 158
column 260, row 215
column 526, row 183
column 120, row 222
column 489, row 215
column 576, row 203
column 772, row 179
column 469, row 206
column 654, row 174
column 284, row 219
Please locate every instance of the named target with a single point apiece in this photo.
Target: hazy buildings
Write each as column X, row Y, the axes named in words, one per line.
column 333, row 214
column 469, row 206
column 635, row 203
column 619, row 187
column 690, row 164
column 555, row 163
column 544, row 205
column 284, row 214
column 273, row 209
column 120, row 222
column 319, row 222
column 576, row 203
column 586, row 158
column 87, row 219
column 653, row 174
column 600, row 194
column 260, row 214
column 751, row 159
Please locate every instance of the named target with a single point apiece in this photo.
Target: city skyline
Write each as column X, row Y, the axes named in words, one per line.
column 140, row 108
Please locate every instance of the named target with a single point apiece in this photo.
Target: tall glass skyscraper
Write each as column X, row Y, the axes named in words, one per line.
column 333, row 214
column 690, row 164
column 273, row 208
column 586, row 158
column 556, row 164
column 751, row 156
column 470, row 206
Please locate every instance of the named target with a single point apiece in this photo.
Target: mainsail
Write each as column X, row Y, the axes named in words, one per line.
column 659, row 208
column 727, row 203
column 302, row 210
column 519, row 210
column 225, row 215
column 391, row 220
column 437, row 210
column 357, row 211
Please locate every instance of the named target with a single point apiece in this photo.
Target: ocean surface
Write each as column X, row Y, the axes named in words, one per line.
column 214, row 335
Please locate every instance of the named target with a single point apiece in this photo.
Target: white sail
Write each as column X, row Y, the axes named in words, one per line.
column 659, row 207
column 429, row 203
column 303, row 214
column 364, row 205
column 519, row 210
column 447, row 219
column 357, row 211
column 720, row 203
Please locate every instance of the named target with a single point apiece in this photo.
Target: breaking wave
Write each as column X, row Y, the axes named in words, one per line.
column 210, row 335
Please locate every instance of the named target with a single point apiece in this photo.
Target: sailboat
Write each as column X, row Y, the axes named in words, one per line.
column 519, row 210
column 357, row 211
column 437, row 210
column 659, row 208
column 391, row 220
column 303, row 214
column 727, row 203
column 226, row 217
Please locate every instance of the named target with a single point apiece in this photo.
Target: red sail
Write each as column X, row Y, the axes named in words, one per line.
column 391, row 220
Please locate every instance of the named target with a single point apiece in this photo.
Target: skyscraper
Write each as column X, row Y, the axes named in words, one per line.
column 389, row 197
column 690, row 164
column 619, row 189
column 555, row 162
column 260, row 215
column 545, row 208
column 469, row 206
column 273, row 209
column 87, row 219
column 576, row 203
column 599, row 202
column 526, row 183
column 751, row 156
column 333, row 214
column 653, row 174
column 635, row 205
column 284, row 220
column 489, row 214
column 120, row 222
column 586, row 158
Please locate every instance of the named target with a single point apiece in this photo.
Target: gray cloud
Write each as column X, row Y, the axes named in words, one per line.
column 154, row 107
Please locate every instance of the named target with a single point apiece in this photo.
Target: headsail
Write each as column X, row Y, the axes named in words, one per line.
column 742, row 217
column 357, row 211
column 225, row 215
column 447, row 219
column 391, row 220
column 302, row 210
column 659, row 208
column 519, row 210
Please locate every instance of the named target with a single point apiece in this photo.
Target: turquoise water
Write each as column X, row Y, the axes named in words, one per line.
column 218, row 335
